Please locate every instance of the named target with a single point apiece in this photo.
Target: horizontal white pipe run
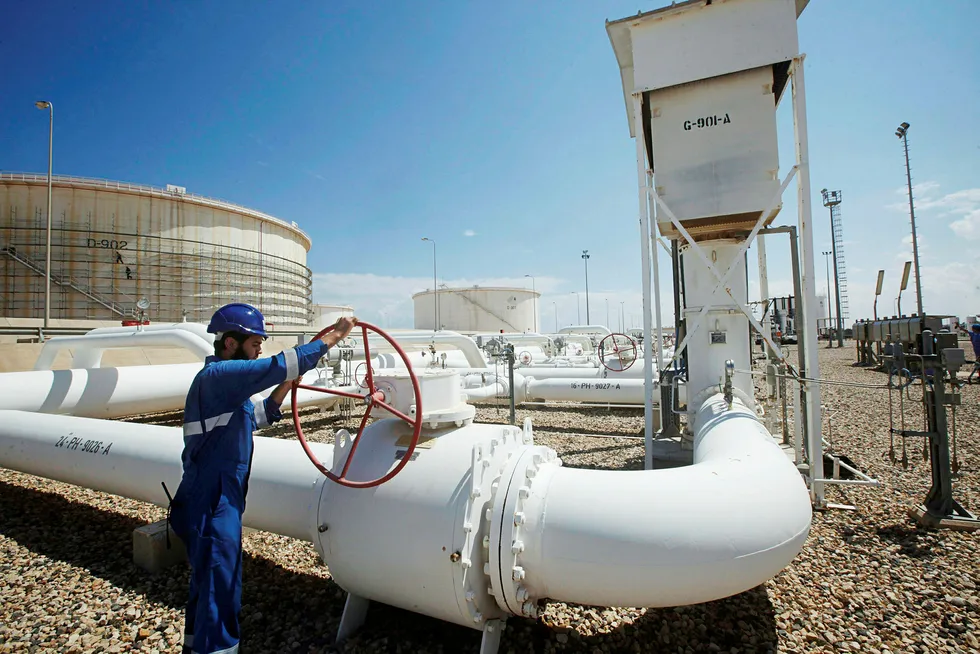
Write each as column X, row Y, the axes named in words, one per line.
column 464, row 344
column 671, row 537
column 626, row 391
column 487, row 392
column 99, row 392
column 564, row 362
column 422, row 359
column 131, row 459
column 117, row 392
column 601, row 330
column 614, row 391
column 537, row 373
column 88, row 349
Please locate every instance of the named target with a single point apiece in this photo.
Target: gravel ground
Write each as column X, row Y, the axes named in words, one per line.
column 868, row 580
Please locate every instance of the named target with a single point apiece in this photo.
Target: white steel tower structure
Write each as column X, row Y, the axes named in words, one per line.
column 704, row 120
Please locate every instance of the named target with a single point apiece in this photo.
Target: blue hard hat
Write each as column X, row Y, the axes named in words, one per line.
column 238, row 317
column 976, row 325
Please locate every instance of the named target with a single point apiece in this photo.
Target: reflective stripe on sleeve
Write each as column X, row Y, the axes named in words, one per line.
column 292, row 363
column 194, row 428
column 261, row 420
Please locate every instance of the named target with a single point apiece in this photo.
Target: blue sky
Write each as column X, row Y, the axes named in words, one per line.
column 496, row 128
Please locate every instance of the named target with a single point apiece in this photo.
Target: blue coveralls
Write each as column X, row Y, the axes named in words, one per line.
column 975, row 340
column 206, row 512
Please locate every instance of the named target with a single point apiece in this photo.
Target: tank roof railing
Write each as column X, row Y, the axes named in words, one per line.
column 127, row 186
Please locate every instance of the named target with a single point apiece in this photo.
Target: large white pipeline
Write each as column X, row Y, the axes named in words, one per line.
column 615, row 391
column 88, row 348
column 482, row 523
column 132, row 459
column 123, row 391
column 573, row 389
column 99, row 392
column 695, row 533
column 598, row 330
column 466, row 345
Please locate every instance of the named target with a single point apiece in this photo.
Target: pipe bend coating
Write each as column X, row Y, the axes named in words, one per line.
column 673, row 537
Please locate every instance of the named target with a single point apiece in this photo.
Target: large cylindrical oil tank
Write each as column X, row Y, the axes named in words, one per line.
column 113, row 243
column 477, row 309
column 325, row 315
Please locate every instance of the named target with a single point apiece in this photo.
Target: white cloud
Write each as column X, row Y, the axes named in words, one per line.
column 966, row 204
column 952, row 287
column 921, row 192
column 961, row 208
column 469, row 232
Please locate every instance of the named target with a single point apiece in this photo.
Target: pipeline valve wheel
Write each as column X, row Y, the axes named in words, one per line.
column 621, row 347
column 374, row 397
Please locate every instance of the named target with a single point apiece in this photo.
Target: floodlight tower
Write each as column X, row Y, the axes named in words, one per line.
column 903, row 133
column 832, row 199
column 830, row 318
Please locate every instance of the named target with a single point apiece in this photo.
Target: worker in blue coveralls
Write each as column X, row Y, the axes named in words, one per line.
column 975, row 339
column 219, row 418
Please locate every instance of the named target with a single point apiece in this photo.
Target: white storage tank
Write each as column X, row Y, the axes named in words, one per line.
column 325, row 315
column 477, row 309
column 113, row 243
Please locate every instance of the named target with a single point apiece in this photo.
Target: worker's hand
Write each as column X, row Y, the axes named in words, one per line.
column 340, row 330
column 296, row 382
column 343, row 326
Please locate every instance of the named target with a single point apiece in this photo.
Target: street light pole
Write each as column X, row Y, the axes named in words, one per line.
column 435, row 289
column 585, row 255
column 902, row 133
column 622, row 317
column 830, row 316
column 42, row 105
column 534, row 302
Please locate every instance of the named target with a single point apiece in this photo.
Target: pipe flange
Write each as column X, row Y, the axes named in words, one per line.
column 507, row 521
column 471, row 539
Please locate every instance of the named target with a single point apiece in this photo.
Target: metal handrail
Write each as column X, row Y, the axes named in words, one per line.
column 70, row 281
column 127, row 186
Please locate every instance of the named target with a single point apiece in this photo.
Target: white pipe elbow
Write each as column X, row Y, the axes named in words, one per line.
column 672, row 537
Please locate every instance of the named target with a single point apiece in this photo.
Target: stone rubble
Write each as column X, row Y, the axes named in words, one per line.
column 868, row 580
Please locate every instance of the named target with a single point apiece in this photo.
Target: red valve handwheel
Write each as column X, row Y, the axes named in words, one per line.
column 373, row 398
column 618, row 351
